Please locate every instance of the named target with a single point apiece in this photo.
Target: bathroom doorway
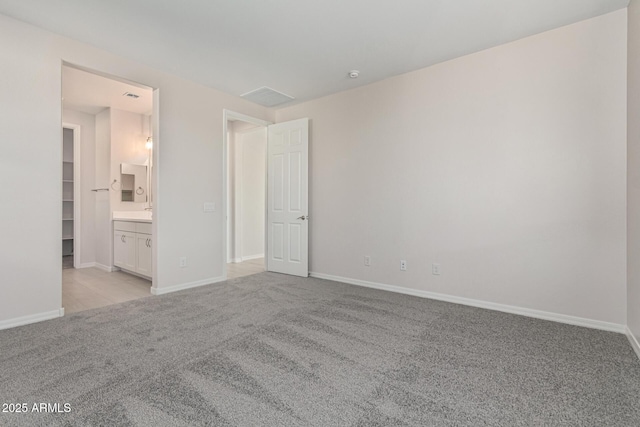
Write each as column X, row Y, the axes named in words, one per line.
column 111, row 125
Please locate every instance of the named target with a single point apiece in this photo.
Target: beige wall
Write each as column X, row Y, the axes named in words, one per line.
column 507, row 167
column 129, row 132
column 104, row 243
column 189, row 158
column 247, row 181
column 633, row 166
column 252, row 146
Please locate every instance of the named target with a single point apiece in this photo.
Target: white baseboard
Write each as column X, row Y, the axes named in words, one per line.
column 133, row 273
column 106, row 268
column 175, row 288
column 87, row 265
column 235, row 260
column 633, row 341
column 545, row 315
column 250, row 257
column 25, row 320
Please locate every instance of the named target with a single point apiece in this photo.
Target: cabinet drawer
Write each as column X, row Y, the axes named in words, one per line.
column 143, row 227
column 124, row 226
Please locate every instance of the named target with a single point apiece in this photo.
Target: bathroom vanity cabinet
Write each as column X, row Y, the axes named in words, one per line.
column 132, row 243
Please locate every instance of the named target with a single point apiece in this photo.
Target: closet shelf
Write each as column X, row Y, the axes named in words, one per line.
column 68, row 196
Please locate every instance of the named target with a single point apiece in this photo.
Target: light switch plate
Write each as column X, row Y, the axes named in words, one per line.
column 209, row 207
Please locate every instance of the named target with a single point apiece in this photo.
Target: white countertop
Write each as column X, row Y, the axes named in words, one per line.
column 134, row 216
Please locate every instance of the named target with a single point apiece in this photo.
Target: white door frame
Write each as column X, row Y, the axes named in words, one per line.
column 226, row 116
column 77, row 193
column 155, row 184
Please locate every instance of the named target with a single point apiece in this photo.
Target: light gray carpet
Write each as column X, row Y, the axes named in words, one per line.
column 276, row 350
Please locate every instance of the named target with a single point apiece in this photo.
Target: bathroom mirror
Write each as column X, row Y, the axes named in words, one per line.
column 133, row 179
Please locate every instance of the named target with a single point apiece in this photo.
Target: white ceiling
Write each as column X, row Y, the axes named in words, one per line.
column 303, row 48
column 91, row 93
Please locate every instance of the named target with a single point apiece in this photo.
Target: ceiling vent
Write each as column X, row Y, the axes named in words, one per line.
column 267, row 97
column 131, row 95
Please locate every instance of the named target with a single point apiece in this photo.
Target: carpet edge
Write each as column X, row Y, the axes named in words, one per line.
column 32, row 318
column 633, row 341
column 527, row 312
column 182, row 286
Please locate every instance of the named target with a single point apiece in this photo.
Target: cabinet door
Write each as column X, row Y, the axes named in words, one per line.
column 124, row 250
column 119, row 249
column 143, row 243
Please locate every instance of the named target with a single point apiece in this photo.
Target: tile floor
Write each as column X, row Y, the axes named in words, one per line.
column 245, row 268
column 86, row 288
column 67, row 261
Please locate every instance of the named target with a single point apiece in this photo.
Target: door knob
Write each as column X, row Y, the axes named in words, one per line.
column 303, row 217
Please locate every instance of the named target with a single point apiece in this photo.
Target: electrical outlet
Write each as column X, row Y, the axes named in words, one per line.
column 403, row 265
column 209, row 207
column 183, row 261
column 367, row 261
column 435, row 269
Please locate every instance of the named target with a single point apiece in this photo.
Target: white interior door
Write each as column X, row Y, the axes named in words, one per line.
column 287, row 198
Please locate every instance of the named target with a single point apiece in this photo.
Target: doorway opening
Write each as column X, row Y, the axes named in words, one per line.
column 285, row 200
column 246, row 178
column 109, row 128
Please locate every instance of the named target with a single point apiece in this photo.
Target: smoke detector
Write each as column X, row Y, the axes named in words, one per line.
column 354, row 74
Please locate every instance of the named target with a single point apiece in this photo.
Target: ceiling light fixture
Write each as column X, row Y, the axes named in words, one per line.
column 354, row 74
